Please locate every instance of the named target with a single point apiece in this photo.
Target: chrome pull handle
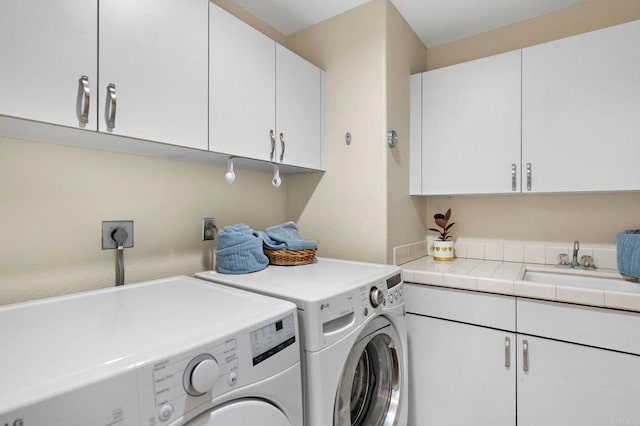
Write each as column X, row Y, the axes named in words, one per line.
column 273, row 144
column 84, row 99
column 514, row 168
column 525, row 356
column 282, row 146
column 528, row 176
column 110, row 111
column 507, row 352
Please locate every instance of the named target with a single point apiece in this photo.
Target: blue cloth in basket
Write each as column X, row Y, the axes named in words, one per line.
column 286, row 237
column 239, row 250
column 628, row 252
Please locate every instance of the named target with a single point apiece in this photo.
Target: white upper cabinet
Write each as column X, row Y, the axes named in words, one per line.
column 153, row 70
column 266, row 102
column 580, row 112
column 242, row 88
column 298, row 110
column 471, row 127
column 46, row 48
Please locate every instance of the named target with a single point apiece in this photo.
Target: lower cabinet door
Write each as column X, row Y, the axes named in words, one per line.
column 460, row 374
column 567, row 384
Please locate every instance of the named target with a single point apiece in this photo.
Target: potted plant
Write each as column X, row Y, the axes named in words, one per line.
column 443, row 246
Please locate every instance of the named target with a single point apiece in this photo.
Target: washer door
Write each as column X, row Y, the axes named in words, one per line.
column 369, row 390
column 242, row 413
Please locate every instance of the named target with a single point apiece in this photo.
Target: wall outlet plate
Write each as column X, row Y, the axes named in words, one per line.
column 209, row 230
column 108, row 226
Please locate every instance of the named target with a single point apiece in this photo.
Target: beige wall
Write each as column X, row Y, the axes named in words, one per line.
column 406, row 55
column 588, row 217
column 583, row 17
column 347, row 209
column 53, row 199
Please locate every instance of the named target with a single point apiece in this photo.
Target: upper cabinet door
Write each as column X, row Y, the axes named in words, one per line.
column 580, row 112
column 298, row 110
column 153, row 70
column 242, row 88
column 471, row 127
column 46, row 48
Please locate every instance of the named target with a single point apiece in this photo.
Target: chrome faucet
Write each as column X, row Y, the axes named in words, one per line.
column 576, row 248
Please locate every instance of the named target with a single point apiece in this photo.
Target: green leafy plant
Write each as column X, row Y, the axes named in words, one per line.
column 442, row 220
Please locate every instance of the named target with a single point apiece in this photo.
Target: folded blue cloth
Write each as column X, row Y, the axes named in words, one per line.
column 628, row 252
column 239, row 250
column 286, row 237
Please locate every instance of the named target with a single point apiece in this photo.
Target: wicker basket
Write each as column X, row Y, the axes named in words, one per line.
column 290, row 257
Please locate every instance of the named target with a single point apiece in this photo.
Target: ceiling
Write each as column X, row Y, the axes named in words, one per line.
column 435, row 21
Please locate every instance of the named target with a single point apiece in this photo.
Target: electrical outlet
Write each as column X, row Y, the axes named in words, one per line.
column 209, row 229
column 107, row 229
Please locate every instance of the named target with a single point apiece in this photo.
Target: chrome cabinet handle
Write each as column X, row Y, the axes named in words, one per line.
column 525, row 356
column 282, row 146
column 84, row 99
column 110, row 111
column 528, row 176
column 507, row 352
column 273, row 144
column 513, row 176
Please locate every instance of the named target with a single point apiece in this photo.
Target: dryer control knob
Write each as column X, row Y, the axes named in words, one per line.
column 376, row 297
column 205, row 375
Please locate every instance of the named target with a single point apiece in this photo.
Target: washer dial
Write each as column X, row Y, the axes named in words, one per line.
column 201, row 375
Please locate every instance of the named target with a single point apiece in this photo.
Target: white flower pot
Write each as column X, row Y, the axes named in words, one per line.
column 443, row 251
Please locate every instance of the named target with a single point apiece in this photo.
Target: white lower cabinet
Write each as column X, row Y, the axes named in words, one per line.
column 570, row 384
column 461, row 374
column 567, row 364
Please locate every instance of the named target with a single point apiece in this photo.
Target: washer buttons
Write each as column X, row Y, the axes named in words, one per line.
column 365, row 311
column 397, row 294
column 165, row 412
column 233, row 379
column 391, row 298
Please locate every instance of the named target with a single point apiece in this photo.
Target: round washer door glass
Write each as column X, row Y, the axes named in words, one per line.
column 240, row 413
column 369, row 391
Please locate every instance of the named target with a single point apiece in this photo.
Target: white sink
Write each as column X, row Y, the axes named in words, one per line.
column 566, row 278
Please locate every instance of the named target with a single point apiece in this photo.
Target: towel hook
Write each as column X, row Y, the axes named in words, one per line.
column 230, row 176
column 276, row 181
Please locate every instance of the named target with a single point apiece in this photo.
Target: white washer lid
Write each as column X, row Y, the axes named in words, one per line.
column 69, row 340
column 306, row 284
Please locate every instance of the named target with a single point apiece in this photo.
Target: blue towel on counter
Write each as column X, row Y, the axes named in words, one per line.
column 628, row 252
column 239, row 250
column 286, row 237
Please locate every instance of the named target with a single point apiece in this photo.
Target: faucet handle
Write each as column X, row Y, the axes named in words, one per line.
column 576, row 245
column 587, row 261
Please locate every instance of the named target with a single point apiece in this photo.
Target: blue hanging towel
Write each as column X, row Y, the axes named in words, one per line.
column 239, row 250
column 286, row 237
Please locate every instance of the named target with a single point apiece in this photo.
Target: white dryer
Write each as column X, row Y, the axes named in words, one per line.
column 354, row 337
column 175, row 351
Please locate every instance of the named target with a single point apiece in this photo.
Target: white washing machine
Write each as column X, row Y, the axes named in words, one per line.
column 175, row 351
column 354, row 337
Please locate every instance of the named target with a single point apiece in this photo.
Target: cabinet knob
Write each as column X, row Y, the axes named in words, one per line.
column 528, row 176
column 514, row 168
column 525, row 356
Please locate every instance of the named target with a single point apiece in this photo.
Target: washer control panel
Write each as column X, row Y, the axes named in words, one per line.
column 177, row 380
column 384, row 293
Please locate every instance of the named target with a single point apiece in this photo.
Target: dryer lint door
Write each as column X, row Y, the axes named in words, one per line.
column 369, row 390
column 242, row 413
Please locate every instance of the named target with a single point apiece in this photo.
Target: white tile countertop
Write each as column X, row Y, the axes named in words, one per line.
column 508, row 278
